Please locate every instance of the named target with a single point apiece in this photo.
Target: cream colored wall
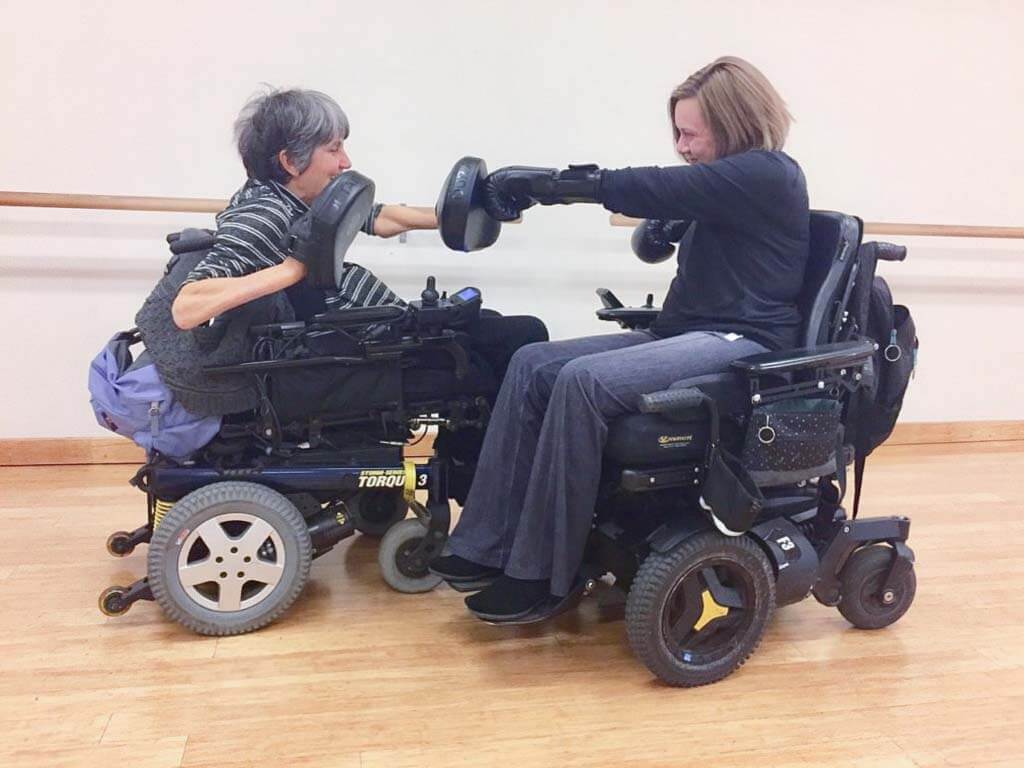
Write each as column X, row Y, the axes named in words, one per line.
column 905, row 111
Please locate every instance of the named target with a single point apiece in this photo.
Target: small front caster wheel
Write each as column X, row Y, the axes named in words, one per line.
column 119, row 544
column 864, row 603
column 112, row 601
column 398, row 565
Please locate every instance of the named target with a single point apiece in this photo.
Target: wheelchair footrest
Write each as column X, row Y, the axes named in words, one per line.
column 639, row 480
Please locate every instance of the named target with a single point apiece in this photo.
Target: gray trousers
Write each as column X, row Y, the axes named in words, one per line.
column 531, row 505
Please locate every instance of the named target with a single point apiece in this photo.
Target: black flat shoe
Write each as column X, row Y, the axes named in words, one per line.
column 508, row 599
column 548, row 607
column 458, row 570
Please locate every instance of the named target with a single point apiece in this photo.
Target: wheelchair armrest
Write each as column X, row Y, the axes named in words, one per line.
column 277, row 330
column 672, row 400
column 891, row 252
column 630, row 317
column 341, row 318
column 838, row 355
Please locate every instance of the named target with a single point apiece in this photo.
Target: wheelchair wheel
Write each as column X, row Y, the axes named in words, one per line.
column 695, row 614
column 229, row 558
column 119, row 544
column 862, row 601
column 112, row 601
column 400, row 574
column 374, row 512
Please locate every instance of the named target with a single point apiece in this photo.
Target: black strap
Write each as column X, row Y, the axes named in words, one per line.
column 858, row 479
column 841, row 464
column 860, row 448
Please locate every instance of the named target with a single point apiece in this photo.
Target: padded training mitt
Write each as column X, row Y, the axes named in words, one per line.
column 464, row 224
column 321, row 236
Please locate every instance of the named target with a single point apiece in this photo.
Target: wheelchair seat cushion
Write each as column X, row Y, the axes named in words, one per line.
column 642, row 439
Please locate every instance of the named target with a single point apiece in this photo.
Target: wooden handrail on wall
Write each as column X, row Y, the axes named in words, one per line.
column 885, row 228
column 210, row 205
column 112, row 202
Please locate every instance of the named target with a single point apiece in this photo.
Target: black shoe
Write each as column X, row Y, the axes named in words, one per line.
column 458, row 570
column 509, row 599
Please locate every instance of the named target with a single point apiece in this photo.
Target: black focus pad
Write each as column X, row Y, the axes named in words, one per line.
column 464, row 224
column 320, row 237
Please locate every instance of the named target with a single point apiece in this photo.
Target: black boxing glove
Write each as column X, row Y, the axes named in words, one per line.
column 653, row 240
column 511, row 190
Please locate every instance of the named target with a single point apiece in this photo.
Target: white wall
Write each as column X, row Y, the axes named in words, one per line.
column 905, row 112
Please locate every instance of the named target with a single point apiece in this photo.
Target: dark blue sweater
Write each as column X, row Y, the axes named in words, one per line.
column 741, row 265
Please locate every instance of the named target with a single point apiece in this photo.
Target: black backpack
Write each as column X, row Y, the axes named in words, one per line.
column 876, row 406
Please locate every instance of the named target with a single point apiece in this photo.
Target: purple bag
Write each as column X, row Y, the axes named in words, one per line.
column 129, row 398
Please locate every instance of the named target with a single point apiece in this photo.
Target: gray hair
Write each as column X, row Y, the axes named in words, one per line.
column 297, row 121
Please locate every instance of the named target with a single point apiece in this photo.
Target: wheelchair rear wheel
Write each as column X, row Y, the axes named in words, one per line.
column 374, row 512
column 696, row 613
column 229, row 558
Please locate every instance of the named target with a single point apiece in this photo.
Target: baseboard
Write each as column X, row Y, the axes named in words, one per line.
column 929, row 432
column 29, row 451
column 33, row 451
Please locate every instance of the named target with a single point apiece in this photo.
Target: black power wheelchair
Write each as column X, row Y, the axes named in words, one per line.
column 700, row 596
column 317, row 454
column 233, row 529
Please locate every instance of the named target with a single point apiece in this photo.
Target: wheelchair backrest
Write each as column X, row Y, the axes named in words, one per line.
column 834, row 240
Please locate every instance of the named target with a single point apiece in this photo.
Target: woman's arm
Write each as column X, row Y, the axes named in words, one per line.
column 732, row 189
column 202, row 300
column 396, row 219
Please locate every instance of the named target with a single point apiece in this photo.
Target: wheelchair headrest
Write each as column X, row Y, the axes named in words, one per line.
column 334, row 219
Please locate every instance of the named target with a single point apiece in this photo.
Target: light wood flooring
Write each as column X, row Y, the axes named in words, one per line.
column 358, row 676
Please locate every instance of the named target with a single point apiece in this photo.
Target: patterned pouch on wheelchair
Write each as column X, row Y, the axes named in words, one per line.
column 730, row 495
column 792, row 440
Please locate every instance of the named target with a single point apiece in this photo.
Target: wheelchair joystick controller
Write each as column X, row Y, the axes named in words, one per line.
column 429, row 295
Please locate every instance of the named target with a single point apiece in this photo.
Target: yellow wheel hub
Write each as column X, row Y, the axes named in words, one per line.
column 711, row 611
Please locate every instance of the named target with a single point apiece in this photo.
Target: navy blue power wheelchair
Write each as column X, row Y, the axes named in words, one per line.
column 232, row 529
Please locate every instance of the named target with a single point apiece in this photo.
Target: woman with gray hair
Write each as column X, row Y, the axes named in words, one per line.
column 740, row 208
column 292, row 145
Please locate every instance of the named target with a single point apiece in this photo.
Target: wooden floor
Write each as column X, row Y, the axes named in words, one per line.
column 358, row 676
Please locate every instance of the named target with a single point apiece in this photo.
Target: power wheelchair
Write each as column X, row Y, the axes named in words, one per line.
column 699, row 600
column 232, row 530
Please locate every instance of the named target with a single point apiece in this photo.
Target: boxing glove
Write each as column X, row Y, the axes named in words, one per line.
column 653, row 240
column 511, row 190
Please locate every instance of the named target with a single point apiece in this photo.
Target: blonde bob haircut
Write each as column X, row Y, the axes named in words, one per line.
column 742, row 109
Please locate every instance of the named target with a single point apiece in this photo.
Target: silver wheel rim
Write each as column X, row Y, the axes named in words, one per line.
column 238, row 571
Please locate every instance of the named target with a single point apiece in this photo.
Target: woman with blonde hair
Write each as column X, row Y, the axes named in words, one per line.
column 739, row 210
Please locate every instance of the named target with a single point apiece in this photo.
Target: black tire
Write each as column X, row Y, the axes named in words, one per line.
column 119, row 544
column 399, row 575
column 256, row 528
column 112, row 602
column 665, row 596
column 861, row 581
column 374, row 512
